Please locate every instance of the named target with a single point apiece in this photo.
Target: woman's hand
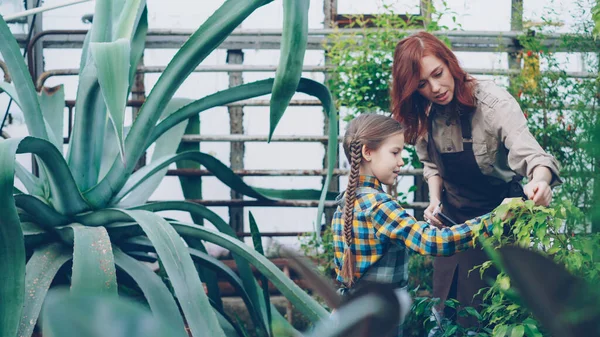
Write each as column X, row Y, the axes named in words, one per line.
column 429, row 216
column 538, row 191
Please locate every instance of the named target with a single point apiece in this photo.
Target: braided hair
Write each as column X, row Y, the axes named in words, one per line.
column 367, row 130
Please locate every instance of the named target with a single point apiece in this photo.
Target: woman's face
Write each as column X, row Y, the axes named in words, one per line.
column 436, row 83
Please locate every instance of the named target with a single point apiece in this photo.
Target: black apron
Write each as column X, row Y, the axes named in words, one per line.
column 467, row 193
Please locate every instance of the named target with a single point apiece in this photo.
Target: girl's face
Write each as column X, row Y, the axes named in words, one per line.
column 436, row 83
column 385, row 162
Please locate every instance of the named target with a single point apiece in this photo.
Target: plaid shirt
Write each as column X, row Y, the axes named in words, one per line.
column 380, row 221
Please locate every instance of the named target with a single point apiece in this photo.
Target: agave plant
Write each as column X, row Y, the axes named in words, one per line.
column 375, row 310
column 88, row 205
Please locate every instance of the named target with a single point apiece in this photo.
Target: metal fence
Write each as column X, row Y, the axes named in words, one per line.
column 270, row 39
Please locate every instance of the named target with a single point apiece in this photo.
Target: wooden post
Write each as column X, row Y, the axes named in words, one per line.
column 138, row 92
column 236, row 126
column 516, row 24
column 330, row 11
column 37, row 57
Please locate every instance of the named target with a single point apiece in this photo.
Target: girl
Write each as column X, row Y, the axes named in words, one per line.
column 371, row 231
column 473, row 141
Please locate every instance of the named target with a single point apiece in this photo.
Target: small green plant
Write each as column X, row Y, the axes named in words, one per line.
column 321, row 252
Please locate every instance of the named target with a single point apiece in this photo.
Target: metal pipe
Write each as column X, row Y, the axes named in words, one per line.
column 159, row 69
column 250, row 138
column 271, row 68
column 272, row 234
column 271, row 39
column 287, row 173
column 41, row 34
column 284, row 203
column 42, row 9
column 4, row 68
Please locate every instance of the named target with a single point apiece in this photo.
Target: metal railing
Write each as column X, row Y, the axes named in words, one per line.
column 270, row 39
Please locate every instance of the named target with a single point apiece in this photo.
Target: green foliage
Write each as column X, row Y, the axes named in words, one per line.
column 551, row 231
column 320, row 251
column 562, row 114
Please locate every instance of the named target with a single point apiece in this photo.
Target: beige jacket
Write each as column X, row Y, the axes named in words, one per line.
column 502, row 142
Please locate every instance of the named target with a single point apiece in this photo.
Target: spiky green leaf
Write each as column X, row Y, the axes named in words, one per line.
column 23, row 83
column 166, row 145
column 161, row 302
column 40, row 272
column 293, row 47
column 12, row 245
column 93, row 262
column 180, row 269
column 206, row 39
column 52, row 102
column 112, row 61
column 94, row 315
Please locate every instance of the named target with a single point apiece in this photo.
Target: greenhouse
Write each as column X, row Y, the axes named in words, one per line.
column 277, row 168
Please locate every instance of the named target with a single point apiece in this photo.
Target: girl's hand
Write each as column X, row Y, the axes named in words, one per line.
column 429, row 216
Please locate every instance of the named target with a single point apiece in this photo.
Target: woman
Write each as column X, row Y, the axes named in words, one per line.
column 473, row 141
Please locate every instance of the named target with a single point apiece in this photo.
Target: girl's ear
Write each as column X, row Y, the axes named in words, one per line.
column 366, row 153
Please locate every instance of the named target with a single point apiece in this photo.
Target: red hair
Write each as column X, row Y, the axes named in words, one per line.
column 408, row 106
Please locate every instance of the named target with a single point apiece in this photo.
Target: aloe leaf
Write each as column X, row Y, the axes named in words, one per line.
column 66, row 196
column 293, row 48
column 32, row 184
column 259, row 88
column 12, row 245
column 300, row 299
column 349, row 316
column 10, row 90
column 106, row 217
column 160, row 300
column 221, row 171
column 112, row 61
column 94, row 315
column 180, row 269
column 205, row 261
column 229, row 328
column 257, row 241
column 23, row 83
column 85, row 149
column 324, row 95
column 125, row 230
column 295, row 194
column 166, row 145
column 40, row 271
column 138, row 44
column 35, row 236
column 52, row 102
column 110, row 150
column 93, row 262
column 191, row 186
column 130, row 14
column 206, row 39
column 103, row 17
column 241, row 92
column 40, row 211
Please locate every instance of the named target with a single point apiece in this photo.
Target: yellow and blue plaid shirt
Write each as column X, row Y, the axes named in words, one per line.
column 380, row 221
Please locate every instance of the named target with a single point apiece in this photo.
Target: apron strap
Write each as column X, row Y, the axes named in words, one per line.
column 432, row 150
column 465, row 126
